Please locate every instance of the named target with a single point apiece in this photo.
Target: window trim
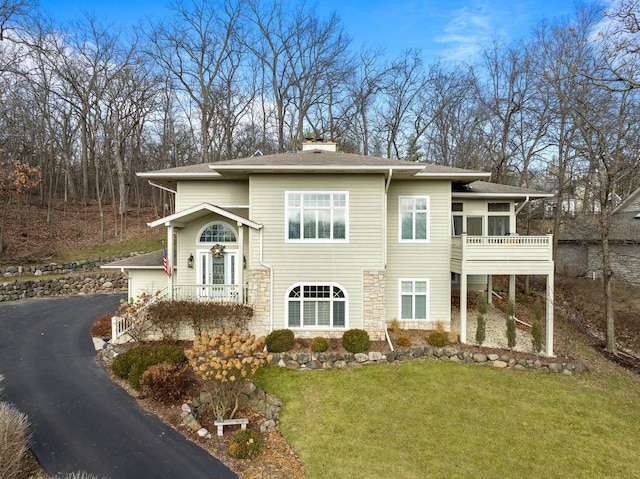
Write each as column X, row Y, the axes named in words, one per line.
column 331, row 209
column 331, row 300
column 427, row 239
column 427, row 294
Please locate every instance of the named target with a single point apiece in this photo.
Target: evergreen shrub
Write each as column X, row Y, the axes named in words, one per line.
column 356, row 341
column 280, row 341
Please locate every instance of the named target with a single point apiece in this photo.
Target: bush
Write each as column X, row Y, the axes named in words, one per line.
column 14, row 440
column 224, row 361
column 245, row 444
column 167, row 383
column 481, row 330
column 356, row 341
column 536, row 333
column 132, row 364
column 511, row 326
column 101, row 328
column 403, row 341
column 319, row 345
column 437, row 339
column 280, row 341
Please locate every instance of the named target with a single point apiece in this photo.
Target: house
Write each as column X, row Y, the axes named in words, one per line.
column 580, row 245
column 320, row 241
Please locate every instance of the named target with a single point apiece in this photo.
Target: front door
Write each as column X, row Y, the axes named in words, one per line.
column 217, row 277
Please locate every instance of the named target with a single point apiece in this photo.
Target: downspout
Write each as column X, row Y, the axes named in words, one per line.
column 122, row 271
column 384, row 226
column 270, row 268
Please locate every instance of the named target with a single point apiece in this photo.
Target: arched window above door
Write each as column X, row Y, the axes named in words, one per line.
column 217, row 233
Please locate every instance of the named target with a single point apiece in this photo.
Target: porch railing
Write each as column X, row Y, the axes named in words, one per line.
column 207, row 292
column 502, row 248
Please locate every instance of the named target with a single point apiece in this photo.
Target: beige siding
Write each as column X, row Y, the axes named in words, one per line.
column 146, row 281
column 341, row 263
column 219, row 193
column 421, row 260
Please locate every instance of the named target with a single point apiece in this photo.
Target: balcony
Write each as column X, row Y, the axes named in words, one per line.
column 502, row 254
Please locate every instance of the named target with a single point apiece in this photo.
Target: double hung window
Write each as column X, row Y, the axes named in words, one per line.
column 414, row 218
column 317, row 216
column 414, row 299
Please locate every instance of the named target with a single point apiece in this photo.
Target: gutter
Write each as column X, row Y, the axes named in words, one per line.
column 270, row 268
column 162, row 187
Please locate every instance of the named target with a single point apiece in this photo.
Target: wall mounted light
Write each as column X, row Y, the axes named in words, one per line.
column 190, row 261
column 217, row 250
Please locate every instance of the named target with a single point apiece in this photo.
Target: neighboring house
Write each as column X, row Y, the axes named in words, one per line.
column 321, row 241
column 580, row 246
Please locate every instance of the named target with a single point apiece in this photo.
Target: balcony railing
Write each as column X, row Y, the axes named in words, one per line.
column 502, row 248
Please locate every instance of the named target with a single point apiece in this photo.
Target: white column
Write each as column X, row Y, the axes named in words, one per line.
column 463, row 307
column 240, row 262
column 512, row 289
column 489, row 289
column 549, row 335
column 170, row 256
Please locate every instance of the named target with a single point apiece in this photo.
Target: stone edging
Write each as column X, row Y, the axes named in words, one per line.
column 449, row 353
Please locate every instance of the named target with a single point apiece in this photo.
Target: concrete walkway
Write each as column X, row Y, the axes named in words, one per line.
column 81, row 421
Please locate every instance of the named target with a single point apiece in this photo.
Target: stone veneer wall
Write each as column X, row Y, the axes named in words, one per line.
column 259, row 296
column 374, row 305
column 586, row 260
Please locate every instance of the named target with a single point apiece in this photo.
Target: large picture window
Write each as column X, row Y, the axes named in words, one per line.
column 316, row 306
column 317, row 216
column 414, row 218
column 414, row 299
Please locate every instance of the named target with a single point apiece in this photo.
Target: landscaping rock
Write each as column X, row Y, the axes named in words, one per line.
column 480, row 358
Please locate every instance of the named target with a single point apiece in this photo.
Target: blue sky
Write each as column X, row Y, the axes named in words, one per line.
column 452, row 29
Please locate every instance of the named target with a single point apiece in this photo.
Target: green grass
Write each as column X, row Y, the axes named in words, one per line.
column 145, row 243
column 431, row 419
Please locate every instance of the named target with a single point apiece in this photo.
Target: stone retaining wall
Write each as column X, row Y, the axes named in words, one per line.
column 450, row 353
column 63, row 286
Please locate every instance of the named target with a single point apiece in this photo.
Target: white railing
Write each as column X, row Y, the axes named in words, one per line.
column 502, row 248
column 121, row 325
column 207, row 292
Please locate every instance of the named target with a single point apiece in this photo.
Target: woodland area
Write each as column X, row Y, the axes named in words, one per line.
column 89, row 104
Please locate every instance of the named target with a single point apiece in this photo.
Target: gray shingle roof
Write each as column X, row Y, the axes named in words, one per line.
column 148, row 260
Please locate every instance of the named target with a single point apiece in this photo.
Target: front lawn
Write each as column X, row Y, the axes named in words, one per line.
column 433, row 419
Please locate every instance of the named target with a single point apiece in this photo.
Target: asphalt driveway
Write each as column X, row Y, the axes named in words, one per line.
column 80, row 419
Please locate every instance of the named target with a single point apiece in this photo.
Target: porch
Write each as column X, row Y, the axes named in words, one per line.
column 503, row 255
column 207, row 292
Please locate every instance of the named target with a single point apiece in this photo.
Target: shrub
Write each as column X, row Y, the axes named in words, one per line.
column 481, row 329
column 167, row 383
column 536, row 328
column 14, row 440
column 395, row 326
column 206, row 316
column 245, row 444
column 356, row 341
column 403, row 341
column 511, row 326
column 224, row 360
column 280, row 341
column 319, row 345
column 437, row 339
column 132, row 364
column 101, row 328
column 482, row 306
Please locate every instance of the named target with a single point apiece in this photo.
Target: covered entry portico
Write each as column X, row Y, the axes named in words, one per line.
column 210, row 266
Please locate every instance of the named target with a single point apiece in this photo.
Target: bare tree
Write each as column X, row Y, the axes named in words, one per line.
column 11, row 11
column 194, row 46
